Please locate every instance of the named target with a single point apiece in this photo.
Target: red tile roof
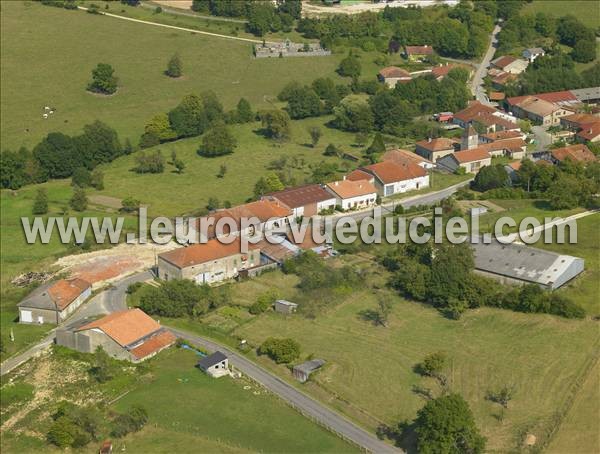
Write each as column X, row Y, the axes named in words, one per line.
column 515, row 165
column 505, row 144
column 390, row 172
column 589, row 131
column 65, row 291
column 555, row 96
column 475, row 154
column 154, row 344
column 577, row 153
column 394, row 72
column 203, row 252
column 418, row 50
column 474, row 109
column 443, row 70
column 347, row 189
column 125, row 327
column 504, row 61
column 502, row 135
column 580, row 118
column 358, row 175
column 301, row 195
column 496, row 96
column 400, row 156
column 440, row 144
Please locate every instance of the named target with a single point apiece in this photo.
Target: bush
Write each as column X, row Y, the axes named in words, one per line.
column 217, row 142
column 280, row 350
column 132, row 421
column 264, row 302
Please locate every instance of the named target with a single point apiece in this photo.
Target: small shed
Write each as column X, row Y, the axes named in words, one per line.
column 285, row 307
column 215, row 365
column 302, row 371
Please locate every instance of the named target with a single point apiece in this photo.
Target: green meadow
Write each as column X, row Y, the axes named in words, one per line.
column 48, row 54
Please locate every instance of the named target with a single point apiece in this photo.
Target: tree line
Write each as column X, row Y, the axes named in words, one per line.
column 263, row 17
column 59, row 156
column 566, row 185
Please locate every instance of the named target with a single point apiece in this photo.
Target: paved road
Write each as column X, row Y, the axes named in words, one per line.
column 110, row 300
column 430, row 198
column 297, row 399
column 477, row 83
column 15, row 361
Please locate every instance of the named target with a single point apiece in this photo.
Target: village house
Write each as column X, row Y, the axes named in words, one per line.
column 400, row 156
column 418, row 53
column 434, row 149
column 470, row 160
column 53, row 302
column 307, row 200
column 518, row 264
column 509, row 64
column 532, row 53
column 501, row 135
column 576, row 153
column 502, row 143
column 351, row 195
column 442, row 70
column 215, row 365
column 575, row 121
column 269, row 213
column 590, row 132
column 485, row 118
column 500, row 80
column 539, row 111
column 208, row 263
column 392, row 75
column 130, row 335
column 391, row 178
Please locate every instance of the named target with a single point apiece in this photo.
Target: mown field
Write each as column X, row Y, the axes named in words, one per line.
column 48, row 54
column 539, row 356
column 188, row 411
column 584, row 10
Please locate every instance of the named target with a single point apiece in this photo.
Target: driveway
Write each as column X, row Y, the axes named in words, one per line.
column 297, row 399
column 477, row 83
column 543, row 140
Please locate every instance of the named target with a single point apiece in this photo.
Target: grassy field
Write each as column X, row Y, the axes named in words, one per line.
column 30, row 40
column 539, row 355
column 188, row 411
column 177, row 194
column 585, row 288
column 209, row 409
column 585, row 10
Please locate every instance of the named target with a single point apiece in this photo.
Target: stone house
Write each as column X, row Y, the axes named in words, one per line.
column 418, row 53
column 509, row 64
column 391, row 178
column 285, row 307
column 130, row 335
column 404, row 157
column 353, row 195
column 470, row 160
column 210, row 262
column 307, row 200
column 302, row 371
column 54, row 302
column 532, row 53
column 434, row 149
column 392, row 75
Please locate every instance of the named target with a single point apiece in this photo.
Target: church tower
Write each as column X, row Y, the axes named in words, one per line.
column 470, row 138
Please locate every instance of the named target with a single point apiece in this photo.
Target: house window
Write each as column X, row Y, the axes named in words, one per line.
column 389, row 190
